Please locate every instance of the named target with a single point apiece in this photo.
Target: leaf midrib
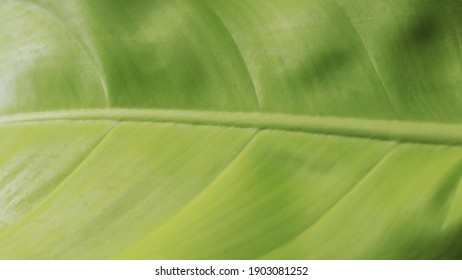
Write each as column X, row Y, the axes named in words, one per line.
column 391, row 130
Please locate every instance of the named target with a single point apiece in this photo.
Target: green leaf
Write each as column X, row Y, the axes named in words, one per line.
column 208, row 129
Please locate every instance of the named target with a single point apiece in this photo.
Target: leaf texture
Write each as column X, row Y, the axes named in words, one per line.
column 207, row 129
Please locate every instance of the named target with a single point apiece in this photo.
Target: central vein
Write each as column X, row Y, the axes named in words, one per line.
column 402, row 131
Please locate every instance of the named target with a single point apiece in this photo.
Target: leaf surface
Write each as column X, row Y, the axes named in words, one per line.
column 214, row 129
